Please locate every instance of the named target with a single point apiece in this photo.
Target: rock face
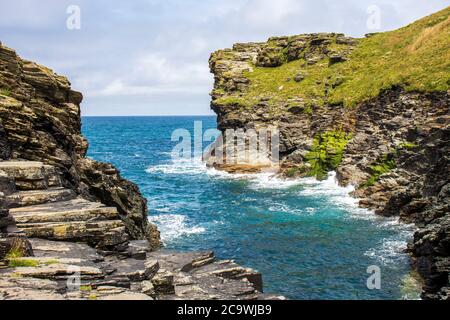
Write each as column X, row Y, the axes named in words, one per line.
column 392, row 146
column 75, row 271
column 73, row 228
column 11, row 238
column 40, row 121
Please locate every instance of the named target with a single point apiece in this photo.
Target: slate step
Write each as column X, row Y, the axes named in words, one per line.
column 64, row 211
column 31, row 175
column 72, row 220
column 36, row 197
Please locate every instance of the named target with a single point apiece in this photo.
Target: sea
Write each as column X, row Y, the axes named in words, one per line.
column 308, row 238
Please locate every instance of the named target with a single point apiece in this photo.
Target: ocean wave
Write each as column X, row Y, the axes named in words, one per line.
column 257, row 181
column 173, row 226
column 390, row 251
column 180, row 166
column 283, row 208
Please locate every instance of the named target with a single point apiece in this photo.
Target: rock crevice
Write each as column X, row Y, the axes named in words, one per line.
column 393, row 146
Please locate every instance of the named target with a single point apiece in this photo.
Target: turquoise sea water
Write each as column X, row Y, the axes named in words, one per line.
column 308, row 238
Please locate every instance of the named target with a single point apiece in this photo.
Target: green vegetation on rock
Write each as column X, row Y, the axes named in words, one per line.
column 5, row 92
column 382, row 166
column 15, row 252
column 415, row 57
column 24, row 262
column 85, row 288
column 16, row 263
column 387, row 163
column 327, row 152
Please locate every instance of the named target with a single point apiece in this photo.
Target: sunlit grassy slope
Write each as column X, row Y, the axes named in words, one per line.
column 415, row 57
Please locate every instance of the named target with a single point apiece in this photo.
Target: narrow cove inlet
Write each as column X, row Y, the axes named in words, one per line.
column 225, row 160
column 308, row 238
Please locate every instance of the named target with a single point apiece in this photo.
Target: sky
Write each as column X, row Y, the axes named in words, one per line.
column 150, row 57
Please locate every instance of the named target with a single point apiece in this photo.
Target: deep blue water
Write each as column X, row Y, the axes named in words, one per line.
column 308, row 238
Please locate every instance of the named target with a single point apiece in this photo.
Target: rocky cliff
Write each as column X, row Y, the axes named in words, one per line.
column 40, row 121
column 376, row 110
column 73, row 228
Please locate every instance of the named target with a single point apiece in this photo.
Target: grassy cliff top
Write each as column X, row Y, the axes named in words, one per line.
column 415, row 57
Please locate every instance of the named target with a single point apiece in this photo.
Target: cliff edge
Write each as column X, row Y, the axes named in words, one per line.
column 40, row 121
column 375, row 110
column 72, row 227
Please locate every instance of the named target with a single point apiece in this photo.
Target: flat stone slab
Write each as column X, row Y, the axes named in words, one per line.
column 162, row 275
column 31, row 175
column 37, row 197
column 20, row 164
column 71, row 250
column 78, row 205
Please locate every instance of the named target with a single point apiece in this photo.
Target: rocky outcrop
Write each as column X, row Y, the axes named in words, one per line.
column 392, row 146
column 12, row 240
column 58, row 245
column 72, row 228
column 40, row 121
column 75, row 271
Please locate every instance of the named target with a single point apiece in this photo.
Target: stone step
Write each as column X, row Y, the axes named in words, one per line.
column 73, row 210
column 36, row 197
column 72, row 220
column 89, row 232
column 31, row 175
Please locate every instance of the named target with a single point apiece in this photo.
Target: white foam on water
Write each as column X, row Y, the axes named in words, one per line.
column 388, row 250
column 257, row 181
column 180, row 166
column 173, row 226
column 283, row 208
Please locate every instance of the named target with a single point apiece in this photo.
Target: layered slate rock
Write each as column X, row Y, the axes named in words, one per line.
column 41, row 208
column 40, row 122
column 12, row 240
column 66, row 221
column 152, row 275
column 388, row 138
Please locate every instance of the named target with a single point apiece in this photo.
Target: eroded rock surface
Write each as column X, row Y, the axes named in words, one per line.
column 73, row 228
column 394, row 147
column 40, row 121
column 64, row 270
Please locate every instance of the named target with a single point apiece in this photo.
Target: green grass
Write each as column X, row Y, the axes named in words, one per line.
column 408, row 145
column 5, row 92
column 327, row 152
column 17, row 263
column 23, row 262
column 15, row 252
column 416, row 57
column 382, row 166
column 85, row 288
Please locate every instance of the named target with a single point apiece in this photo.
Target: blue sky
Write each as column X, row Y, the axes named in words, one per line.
column 150, row 57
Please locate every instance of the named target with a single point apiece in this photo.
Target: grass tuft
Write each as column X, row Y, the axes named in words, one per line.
column 327, row 152
column 18, row 263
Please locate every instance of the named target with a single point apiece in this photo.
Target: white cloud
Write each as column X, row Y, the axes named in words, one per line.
column 154, row 53
column 155, row 74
